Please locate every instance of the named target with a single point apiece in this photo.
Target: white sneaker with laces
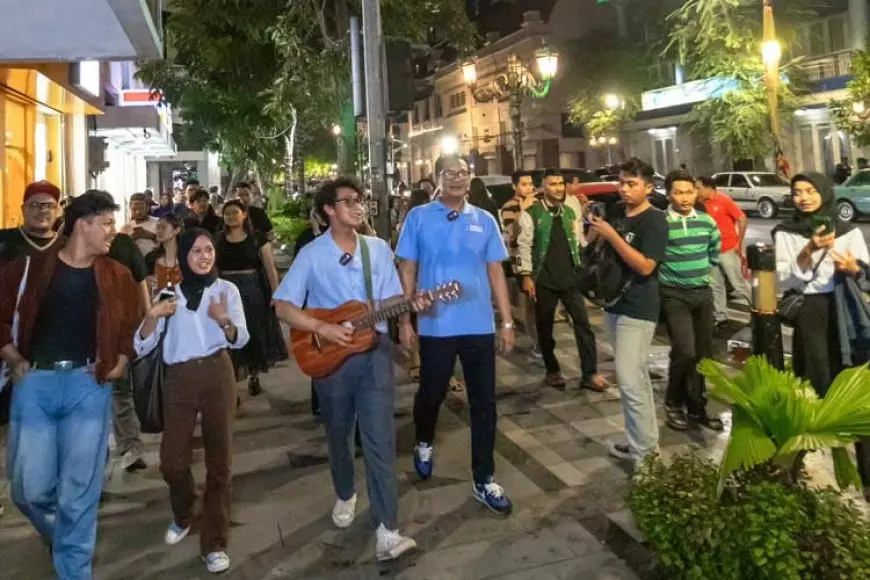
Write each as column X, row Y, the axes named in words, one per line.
column 391, row 544
column 344, row 512
column 216, row 562
column 175, row 533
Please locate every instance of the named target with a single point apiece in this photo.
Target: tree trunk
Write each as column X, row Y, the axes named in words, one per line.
column 258, row 178
column 289, row 154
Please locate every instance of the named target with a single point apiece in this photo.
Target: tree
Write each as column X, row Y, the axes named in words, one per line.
column 852, row 114
column 720, row 39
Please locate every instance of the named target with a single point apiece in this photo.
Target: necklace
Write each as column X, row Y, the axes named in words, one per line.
column 33, row 244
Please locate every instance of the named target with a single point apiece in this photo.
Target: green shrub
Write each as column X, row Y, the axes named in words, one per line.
column 758, row 529
column 287, row 229
column 295, row 208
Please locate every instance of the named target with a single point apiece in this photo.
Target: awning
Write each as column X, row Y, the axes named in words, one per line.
column 48, row 85
column 139, row 130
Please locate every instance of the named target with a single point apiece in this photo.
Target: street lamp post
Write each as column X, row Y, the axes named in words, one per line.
column 771, row 52
column 515, row 84
column 339, row 149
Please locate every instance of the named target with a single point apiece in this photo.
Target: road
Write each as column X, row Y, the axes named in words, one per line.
column 759, row 229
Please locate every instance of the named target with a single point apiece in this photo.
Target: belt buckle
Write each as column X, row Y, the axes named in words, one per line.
column 63, row 365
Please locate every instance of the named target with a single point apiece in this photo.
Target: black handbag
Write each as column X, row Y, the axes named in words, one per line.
column 146, row 382
column 792, row 300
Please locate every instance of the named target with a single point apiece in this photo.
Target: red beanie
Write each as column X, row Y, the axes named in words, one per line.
column 43, row 186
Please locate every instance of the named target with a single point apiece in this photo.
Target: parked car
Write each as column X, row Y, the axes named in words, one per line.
column 764, row 192
column 853, row 196
column 500, row 186
column 608, row 193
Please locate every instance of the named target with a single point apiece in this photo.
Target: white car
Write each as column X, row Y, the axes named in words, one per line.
column 760, row 191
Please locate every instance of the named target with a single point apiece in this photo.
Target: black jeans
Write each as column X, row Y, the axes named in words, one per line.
column 688, row 316
column 437, row 359
column 547, row 300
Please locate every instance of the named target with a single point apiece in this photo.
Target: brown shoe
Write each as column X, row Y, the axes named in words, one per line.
column 595, row 383
column 555, row 380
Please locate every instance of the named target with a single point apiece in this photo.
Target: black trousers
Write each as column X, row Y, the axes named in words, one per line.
column 437, row 359
column 816, row 357
column 688, row 316
column 547, row 300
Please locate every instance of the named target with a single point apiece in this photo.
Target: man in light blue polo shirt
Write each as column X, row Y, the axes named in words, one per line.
column 449, row 239
column 329, row 272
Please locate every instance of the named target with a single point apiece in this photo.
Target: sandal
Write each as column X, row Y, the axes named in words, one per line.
column 254, row 387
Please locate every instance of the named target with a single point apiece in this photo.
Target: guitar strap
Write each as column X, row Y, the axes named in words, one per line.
column 367, row 269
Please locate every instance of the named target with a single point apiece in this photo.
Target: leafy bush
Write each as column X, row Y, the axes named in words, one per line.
column 287, row 229
column 757, row 529
column 296, row 208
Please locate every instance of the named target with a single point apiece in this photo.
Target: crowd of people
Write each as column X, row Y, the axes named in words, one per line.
column 220, row 326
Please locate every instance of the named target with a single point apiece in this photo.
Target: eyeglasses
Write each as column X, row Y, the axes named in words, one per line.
column 461, row 174
column 350, row 201
column 42, row 206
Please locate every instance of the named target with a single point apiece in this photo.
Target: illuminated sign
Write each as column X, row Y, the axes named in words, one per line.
column 138, row 98
column 686, row 93
column 85, row 75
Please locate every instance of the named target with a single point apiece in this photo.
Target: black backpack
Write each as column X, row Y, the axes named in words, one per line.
column 600, row 276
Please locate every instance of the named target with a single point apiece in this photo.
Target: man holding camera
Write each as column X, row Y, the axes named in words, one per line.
column 549, row 240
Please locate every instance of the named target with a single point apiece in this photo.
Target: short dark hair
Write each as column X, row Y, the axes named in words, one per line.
column 551, row 172
column 242, row 185
column 139, row 197
column 328, row 194
column 427, row 180
column 197, row 195
column 439, row 163
column 519, row 174
column 89, row 204
column 637, row 167
column 418, row 197
column 677, row 175
column 706, row 181
column 190, row 182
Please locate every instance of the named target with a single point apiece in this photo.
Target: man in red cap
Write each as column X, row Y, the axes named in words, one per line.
column 40, row 211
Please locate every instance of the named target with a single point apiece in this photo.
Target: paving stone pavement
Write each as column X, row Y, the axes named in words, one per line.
column 570, row 520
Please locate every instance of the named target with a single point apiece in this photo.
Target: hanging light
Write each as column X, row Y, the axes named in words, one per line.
column 469, row 72
column 548, row 62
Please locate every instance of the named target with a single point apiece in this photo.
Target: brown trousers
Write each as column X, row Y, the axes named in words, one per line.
column 205, row 385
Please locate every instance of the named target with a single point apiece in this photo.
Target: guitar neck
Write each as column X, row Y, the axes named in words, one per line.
column 380, row 315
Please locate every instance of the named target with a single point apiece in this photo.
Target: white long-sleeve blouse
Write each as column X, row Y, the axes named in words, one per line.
column 789, row 274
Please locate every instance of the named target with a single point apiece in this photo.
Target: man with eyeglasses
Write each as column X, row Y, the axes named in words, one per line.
column 328, row 272
column 450, row 239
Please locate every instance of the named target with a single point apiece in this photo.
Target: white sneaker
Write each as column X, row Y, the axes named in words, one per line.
column 344, row 512
column 216, row 562
column 391, row 544
column 175, row 533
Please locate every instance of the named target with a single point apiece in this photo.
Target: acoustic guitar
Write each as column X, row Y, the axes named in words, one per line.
column 319, row 358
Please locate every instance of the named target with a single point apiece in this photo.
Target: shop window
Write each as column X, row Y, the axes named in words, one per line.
column 18, row 162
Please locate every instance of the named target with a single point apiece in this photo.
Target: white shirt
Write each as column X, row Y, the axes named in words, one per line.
column 192, row 335
column 149, row 225
column 789, row 275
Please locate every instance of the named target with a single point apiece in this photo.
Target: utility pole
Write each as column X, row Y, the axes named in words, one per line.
column 376, row 114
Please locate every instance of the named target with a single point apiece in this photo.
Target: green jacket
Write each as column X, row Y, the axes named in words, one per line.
column 536, row 225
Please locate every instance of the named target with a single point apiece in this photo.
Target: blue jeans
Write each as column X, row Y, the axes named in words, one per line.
column 363, row 390
column 58, row 437
column 631, row 339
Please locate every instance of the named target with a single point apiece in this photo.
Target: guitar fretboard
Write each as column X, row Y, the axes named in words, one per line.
column 382, row 314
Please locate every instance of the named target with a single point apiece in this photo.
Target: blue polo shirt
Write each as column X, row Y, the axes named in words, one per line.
column 453, row 250
column 317, row 273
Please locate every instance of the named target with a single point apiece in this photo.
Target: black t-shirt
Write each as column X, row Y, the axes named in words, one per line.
column 557, row 271
column 260, row 220
column 69, row 303
column 647, row 233
column 244, row 255
column 124, row 250
column 13, row 245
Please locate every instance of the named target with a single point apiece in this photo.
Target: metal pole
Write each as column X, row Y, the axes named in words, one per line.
column 516, row 112
column 356, row 69
column 766, row 327
column 376, row 113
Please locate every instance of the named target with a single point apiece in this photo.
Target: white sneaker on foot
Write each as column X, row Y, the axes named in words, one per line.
column 392, row 544
column 175, row 533
column 344, row 512
column 216, row 562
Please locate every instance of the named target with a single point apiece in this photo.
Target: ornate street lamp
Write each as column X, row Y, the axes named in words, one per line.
column 515, row 84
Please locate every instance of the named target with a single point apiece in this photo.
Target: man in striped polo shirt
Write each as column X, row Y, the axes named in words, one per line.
column 687, row 302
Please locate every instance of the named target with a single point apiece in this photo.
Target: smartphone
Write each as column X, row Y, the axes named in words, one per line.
column 828, row 222
column 598, row 210
column 166, row 294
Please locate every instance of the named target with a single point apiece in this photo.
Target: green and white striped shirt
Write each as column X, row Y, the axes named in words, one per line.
column 693, row 249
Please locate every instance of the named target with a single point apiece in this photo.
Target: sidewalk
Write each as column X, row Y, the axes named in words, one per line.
column 568, row 522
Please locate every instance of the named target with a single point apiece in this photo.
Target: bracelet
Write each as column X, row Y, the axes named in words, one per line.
column 508, row 326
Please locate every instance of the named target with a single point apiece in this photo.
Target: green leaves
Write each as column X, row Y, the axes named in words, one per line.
column 777, row 415
column 857, row 95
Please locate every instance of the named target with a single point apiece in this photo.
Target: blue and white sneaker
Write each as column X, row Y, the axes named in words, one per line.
column 423, row 461
column 492, row 495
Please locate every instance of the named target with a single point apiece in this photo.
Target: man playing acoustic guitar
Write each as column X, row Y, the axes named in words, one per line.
column 331, row 271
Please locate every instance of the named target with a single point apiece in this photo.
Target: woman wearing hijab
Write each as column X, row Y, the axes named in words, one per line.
column 204, row 320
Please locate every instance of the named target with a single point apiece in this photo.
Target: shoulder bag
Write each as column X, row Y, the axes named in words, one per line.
column 793, row 299
column 146, row 382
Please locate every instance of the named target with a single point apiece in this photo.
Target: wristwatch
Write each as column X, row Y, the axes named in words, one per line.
column 227, row 327
column 508, row 326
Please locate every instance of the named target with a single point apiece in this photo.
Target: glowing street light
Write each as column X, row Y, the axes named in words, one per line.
column 612, row 101
column 548, row 63
column 336, row 130
column 469, row 72
column 449, row 145
column 771, row 52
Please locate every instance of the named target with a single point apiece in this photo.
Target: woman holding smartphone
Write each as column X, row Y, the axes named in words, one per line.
column 163, row 260
column 202, row 322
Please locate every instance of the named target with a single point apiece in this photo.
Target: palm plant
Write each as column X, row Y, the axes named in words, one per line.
column 777, row 417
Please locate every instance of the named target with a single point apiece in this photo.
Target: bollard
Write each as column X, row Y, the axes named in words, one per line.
column 766, row 327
